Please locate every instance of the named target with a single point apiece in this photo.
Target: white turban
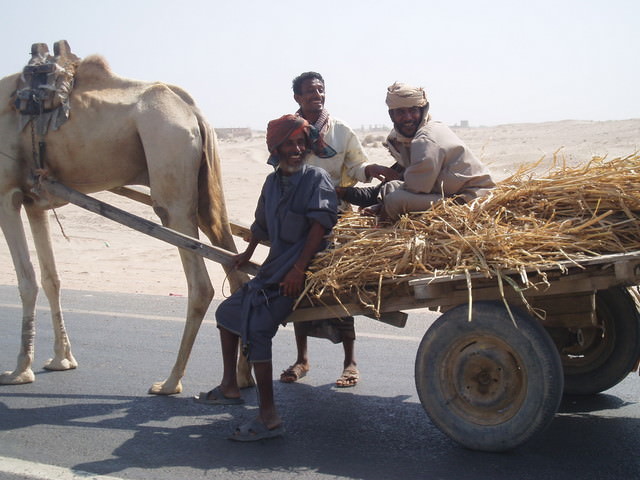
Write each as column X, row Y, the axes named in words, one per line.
column 400, row 95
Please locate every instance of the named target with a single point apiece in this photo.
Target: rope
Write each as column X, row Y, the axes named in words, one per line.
column 41, row 173
column 34, row 153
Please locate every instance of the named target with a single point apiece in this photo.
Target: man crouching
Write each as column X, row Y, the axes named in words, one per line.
column 297, row 208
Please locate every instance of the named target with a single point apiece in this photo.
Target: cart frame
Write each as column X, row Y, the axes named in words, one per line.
column 489, row 372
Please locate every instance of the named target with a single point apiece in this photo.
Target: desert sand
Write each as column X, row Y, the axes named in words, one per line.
column 100, row 255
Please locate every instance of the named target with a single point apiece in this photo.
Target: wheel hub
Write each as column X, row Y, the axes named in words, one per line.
column 485, row 382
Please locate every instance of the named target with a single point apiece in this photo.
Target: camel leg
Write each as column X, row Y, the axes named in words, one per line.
column 243, row 374
column 11, row 223
column 174, row 196
column 223, row 238
column 200, row 294
column 236, row 280
column 63, row 358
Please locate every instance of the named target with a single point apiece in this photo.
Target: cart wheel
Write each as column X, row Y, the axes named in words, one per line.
column 487, row 384
column 603, row 356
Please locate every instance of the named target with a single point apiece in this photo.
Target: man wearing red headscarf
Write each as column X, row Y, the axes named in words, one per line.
column 297, row 208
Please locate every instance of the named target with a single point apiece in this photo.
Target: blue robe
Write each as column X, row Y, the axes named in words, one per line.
column 287, row 208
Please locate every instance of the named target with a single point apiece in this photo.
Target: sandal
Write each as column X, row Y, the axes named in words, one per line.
column 216, row 397
column 294, row 373
column 349, row 378
column 255, row 430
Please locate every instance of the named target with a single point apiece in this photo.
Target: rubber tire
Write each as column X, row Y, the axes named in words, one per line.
column 607, row 360
column 459, row 361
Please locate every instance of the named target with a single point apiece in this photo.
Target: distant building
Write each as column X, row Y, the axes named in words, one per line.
column 373, row 127
column 226, row 133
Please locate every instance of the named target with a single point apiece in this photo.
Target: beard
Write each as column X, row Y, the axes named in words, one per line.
column 290, row 169
column 291, row 165
column 409, row 129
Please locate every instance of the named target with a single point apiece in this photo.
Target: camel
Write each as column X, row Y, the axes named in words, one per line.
column 114, row 132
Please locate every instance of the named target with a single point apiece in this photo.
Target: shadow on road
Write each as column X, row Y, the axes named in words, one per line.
column 337, row 433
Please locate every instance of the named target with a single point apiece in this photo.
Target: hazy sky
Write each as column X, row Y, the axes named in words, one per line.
column 488, row 62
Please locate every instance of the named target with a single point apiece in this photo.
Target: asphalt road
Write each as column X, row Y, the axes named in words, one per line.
column 98, row 421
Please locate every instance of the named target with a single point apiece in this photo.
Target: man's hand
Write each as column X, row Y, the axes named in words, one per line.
column 240, row 259
column 382, row 173
column 292, row 283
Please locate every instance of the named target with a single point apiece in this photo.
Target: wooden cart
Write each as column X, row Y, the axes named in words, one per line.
column 489, row 373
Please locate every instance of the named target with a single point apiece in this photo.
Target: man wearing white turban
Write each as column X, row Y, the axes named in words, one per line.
column 437, row 163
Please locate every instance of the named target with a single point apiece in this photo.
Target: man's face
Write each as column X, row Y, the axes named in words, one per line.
column 406, row 120
column 291, row 153
column 311, row 100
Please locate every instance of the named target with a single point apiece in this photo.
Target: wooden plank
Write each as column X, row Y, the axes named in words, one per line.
column 396, row 319
column 630, row 260
column 391, row 310
column 574, row 282
column 143, row 225
column 141, row 194
column 134, row 193
column 567, row 311
column 243, row 232
column 320, row 312
column 444, row 296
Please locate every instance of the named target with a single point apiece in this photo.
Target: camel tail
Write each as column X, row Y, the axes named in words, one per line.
column 212, row 211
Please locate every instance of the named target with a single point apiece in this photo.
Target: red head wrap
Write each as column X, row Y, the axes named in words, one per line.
column 280, row 129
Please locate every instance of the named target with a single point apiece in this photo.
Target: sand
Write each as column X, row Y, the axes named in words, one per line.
column 103, row 256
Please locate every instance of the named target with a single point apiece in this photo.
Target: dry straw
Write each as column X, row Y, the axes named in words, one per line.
column 525, row 224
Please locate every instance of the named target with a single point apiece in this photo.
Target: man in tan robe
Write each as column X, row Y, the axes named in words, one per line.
column 437, row 163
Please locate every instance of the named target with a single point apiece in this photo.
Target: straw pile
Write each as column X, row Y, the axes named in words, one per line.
column 525, row 224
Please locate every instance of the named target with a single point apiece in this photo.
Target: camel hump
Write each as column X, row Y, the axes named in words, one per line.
column 183, row 94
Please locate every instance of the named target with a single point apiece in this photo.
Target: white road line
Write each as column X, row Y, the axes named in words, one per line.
column 104, row 314
column 41, row 471
column 181, row 319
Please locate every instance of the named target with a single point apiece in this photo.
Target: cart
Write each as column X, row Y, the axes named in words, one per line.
column 489, row 373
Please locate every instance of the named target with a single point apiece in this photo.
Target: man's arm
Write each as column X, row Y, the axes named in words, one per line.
column 293, row 281
column 382, row 173
column 427, row 160
column 242, row 258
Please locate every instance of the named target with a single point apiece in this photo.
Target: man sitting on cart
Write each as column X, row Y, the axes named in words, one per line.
column 436, row 163
column 297, row 208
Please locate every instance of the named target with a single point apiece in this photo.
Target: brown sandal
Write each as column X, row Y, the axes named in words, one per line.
column 349, row 378
column 293, row 373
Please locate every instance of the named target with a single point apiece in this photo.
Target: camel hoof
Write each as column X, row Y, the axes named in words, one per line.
column 165, row 388
column 246, row 382
column 13, row 378
column 60, row 364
